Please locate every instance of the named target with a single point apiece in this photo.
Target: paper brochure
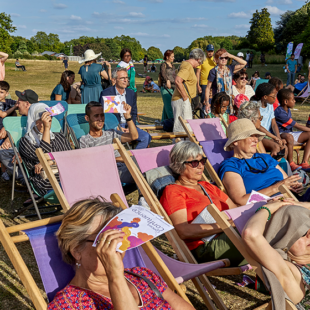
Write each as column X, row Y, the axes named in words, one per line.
column 256, row 197
column 56, row 109
column 139, row 225
column 113, row 104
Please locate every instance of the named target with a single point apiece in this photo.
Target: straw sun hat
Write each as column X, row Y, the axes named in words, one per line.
column 89, row 55
column 239, row 130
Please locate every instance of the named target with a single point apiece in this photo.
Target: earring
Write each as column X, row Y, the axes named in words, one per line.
column 78, row 264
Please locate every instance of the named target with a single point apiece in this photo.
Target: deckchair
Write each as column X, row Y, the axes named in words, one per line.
column 148, row 159
column 305, row 96
column 102, row 181
column 15, row 127
column 258, row 82
column 240, row 216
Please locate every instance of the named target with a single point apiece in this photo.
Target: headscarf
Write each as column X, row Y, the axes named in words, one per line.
column 147, row 81
column 33, row 135
column 287, row 225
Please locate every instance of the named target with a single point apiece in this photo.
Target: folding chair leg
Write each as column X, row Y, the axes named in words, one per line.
column 13, row 181
column 298, row 157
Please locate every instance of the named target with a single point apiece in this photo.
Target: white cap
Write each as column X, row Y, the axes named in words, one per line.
column 240, row 54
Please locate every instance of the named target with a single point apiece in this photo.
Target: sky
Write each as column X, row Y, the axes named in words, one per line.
column 160, row 23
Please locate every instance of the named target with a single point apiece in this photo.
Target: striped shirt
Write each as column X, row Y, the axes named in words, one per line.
column 27, row 151
column 106, row 138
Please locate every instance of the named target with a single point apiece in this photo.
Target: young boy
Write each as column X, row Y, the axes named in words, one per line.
column 285, row 123
column 7, row 108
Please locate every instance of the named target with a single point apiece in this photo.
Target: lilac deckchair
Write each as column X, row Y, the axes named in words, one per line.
column 207, row 129
column 96, row 175
column 304, row 96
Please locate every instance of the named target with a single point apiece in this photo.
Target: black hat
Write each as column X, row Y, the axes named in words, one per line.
column 267, row 73
column 27, row 95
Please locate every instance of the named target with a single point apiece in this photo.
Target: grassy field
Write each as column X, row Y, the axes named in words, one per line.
column 42, row 77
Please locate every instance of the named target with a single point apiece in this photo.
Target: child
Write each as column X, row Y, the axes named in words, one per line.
column 7, row 108
column 266, row 95
column 239, row 99
column 286, row 123
column 219, row 105
column 278, row 84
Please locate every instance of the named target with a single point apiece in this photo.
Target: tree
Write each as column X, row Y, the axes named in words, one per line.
column 280, row 39
column 30, row 47
column 154, row 53
column 227, row 44
column 131, row 43
column 179, row 53
column 6, row 27
column 115, row 48
column 261, row 34
column 22, row 47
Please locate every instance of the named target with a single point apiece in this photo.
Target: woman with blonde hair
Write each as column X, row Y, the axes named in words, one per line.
column 101, row 281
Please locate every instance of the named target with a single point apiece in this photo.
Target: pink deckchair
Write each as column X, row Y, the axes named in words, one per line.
column 97, row 174
column 304, row 96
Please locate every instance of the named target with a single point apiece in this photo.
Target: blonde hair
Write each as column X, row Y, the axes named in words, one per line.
column 77, row 222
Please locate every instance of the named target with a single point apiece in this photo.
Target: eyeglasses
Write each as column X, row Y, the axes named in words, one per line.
column 123, row 78
column 223, row 58
column 243, row 78
column 127, row 55
column 195, row 163
column 254, row 170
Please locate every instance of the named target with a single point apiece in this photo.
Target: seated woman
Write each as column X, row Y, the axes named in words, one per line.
column 248, row 170
column 147, row 87
column 100, row 280
column 39, row 135
column 62, row 91
column 241, row 87
column 219, row 106
column 282, row 248
column 188, row 197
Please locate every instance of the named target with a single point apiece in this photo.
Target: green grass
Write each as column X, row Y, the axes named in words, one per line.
column 42, row 77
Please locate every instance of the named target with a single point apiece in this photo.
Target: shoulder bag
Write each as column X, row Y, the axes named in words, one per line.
column 195, row 102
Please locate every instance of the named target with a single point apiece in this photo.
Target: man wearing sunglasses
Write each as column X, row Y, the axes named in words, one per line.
column 220, row 77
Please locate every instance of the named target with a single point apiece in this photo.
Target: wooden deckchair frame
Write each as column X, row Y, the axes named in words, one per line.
column 222, row 220
column 147, row 247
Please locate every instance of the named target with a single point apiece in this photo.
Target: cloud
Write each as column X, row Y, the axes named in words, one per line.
column 152, row 1
column 15, row 15
column 118, row 27
column 284, row 2
column 273, row 10
column 22, row 27
column 118, row 1
column 269, row 1
column 43, row 11
column 239, row 15
column 59, row 6
column 73, row 17
column 200, row 26
column 136, row 14
column 243, row 26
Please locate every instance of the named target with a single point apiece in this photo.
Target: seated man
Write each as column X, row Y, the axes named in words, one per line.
column 300, row 86
column 97, row 136
column 153, row 68
column 18, row 65
column 120, row 78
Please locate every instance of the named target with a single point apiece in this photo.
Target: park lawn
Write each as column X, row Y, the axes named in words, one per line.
column 42, row 77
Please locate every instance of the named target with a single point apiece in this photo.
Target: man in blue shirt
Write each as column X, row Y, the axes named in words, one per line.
column 291, row 67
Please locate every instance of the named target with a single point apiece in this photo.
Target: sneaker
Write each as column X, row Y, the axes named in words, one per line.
column 294, row 166
column 142, row 202
column 5, row 176
column 305, row 167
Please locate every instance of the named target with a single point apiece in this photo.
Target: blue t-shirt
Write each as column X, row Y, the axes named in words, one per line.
column 212, row 79
column 253, row 181
column 284, row 120
column 300, row 86
column 155, row 86
column 59, row 90
column 267, row 114
column 291, row 64
column 4, row 106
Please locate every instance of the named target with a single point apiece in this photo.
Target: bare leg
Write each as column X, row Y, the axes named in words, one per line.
column 305, row 138
column 290, row 144
column 271, row 146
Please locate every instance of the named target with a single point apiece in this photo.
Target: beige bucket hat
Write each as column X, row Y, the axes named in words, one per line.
column 89, row 55
column 239, row 130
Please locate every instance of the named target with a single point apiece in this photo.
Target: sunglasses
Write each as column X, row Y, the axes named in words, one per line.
column 224, row 58
column 195, row 163
column 243, row 78
column 255, row 170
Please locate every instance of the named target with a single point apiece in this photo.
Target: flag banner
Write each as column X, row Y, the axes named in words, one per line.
column 289, row 50
column 298, row 50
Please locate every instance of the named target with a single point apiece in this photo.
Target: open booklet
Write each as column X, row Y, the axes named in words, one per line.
column 139, row 225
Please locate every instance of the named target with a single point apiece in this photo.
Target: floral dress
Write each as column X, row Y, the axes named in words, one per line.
column 77, row 298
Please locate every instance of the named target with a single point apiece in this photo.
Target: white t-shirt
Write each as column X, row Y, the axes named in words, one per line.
column 249, row 91
column 247, row 57
column 267, row 114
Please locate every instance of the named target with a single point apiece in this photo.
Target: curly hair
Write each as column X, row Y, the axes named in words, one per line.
column 218, row 100
column 249, row 110
column 262, row 90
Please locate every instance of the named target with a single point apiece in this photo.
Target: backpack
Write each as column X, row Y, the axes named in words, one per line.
column 106, row 83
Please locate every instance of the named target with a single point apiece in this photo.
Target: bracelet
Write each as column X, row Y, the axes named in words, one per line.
column 263, row 207
column 128, row 119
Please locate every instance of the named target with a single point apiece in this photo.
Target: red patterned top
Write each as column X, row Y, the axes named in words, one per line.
column 73, row 297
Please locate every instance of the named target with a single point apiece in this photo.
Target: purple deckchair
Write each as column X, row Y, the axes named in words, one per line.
column 88, row 173
column 207, row 129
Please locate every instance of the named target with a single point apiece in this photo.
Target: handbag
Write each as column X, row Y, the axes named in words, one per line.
column 195, row 102
column 149, row 283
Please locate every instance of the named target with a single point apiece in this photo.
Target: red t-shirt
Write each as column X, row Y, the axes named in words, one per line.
column 176, row 197
column 232, row 118
column 276, row 104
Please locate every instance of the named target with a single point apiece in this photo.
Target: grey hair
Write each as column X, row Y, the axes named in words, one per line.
column 117, row 69
column 249, row 110
column 180, row 153
column 197, row 54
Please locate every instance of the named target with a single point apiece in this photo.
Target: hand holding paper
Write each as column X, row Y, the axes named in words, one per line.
column 113, row 104
column 56, row 109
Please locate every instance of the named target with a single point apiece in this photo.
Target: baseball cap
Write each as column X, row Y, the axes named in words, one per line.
column 27, row 95
column 210, row 47
column 267, row 73
column 240, row 54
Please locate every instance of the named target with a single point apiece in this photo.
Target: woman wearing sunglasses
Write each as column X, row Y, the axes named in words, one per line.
column 220, row 77
column 241, row 87
column 188, row 197
column 247, row 170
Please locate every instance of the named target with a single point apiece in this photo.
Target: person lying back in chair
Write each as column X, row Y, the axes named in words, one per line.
column 100, row 281
column 188, row 197
column 97, row 136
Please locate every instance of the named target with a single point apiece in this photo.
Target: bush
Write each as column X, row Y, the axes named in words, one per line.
column 18, row 54
column 244, row 50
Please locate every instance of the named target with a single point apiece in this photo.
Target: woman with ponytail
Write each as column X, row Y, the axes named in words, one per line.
column 62, row 91
column 266, row 95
